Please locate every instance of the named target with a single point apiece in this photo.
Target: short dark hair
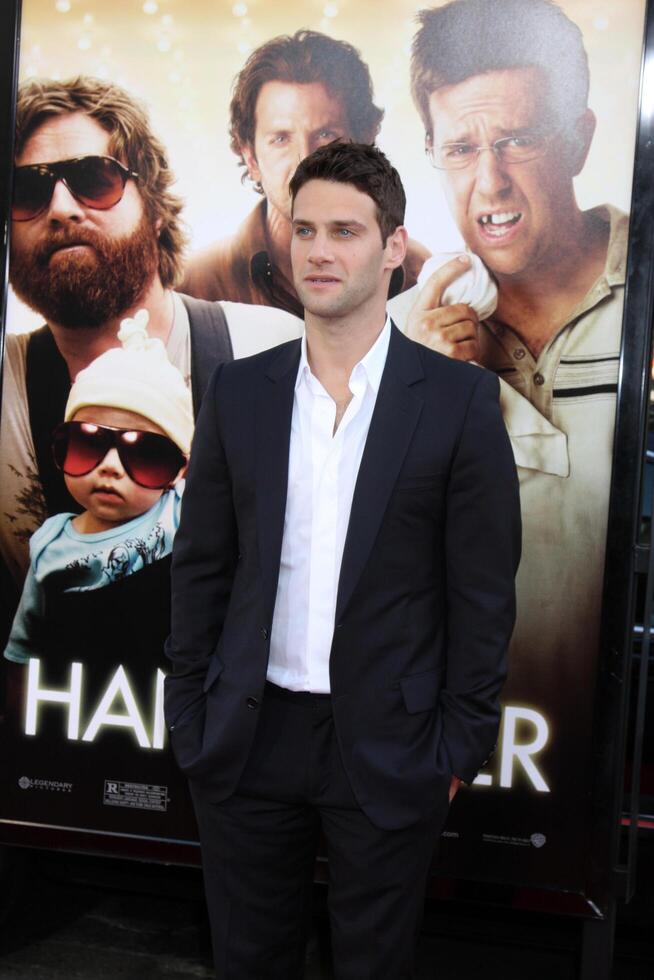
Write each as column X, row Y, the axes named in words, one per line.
column 471, row 37
column 301, row 58
column 366, row 168
column 131, row 140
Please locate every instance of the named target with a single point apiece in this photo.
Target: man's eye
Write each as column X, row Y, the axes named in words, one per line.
column 453, row 151
column 280, row 139
column 327, row 135
column 302, row 232
column 345, row 232
column 521, row 142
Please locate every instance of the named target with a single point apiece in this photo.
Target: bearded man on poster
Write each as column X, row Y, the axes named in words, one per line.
column 508, row 128
column 293, row 94
column 342, row 599
column 96, row 235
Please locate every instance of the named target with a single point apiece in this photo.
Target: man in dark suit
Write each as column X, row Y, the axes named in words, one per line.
column 342, row 599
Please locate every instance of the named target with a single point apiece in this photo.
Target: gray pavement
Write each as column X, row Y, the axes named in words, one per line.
column 78, row 918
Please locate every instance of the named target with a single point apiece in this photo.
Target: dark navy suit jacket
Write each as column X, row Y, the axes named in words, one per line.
column 426, row 599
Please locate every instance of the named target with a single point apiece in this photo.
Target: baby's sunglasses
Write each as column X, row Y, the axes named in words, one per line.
column 151, row 460
column 95, row 181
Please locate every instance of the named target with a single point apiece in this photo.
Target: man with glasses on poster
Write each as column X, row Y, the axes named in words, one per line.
column 508, row 128
column 96, row 235
column 294, row 94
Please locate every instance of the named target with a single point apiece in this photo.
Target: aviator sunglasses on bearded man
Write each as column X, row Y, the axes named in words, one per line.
column 95, row 181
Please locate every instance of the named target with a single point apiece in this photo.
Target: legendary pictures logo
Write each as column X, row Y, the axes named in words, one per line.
column 52, row 785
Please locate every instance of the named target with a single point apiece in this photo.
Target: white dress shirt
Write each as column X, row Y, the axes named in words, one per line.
column 322, row 472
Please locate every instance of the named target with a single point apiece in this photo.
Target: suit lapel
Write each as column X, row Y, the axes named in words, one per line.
column 273, row 419
column 397, row 410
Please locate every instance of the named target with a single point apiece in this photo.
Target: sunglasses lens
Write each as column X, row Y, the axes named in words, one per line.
column 32, row 191
column 96, row 181
column 79, row 446
column 151, row 460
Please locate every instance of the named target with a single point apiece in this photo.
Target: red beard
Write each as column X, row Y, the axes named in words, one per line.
column 89, row 287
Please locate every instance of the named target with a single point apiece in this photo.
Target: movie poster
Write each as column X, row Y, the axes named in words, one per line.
column 517, row 149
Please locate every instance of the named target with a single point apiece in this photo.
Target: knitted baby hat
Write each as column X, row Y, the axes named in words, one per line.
column 137, row 377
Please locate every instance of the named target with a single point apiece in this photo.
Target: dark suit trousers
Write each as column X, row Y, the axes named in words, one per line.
column 259, row 846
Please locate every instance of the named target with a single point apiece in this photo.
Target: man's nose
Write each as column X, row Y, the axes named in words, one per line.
column 492, row 174
column 303, row 146
column 63, row 205
column 320, row 251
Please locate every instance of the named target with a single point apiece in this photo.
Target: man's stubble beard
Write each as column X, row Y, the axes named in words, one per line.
column 353, row 297
column 90, row 289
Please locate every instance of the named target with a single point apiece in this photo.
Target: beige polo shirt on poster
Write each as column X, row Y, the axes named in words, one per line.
column 560, row 414
column 565, row 497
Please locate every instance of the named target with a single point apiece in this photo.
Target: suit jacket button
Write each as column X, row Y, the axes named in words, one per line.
column 264, row 632
column 252, row 703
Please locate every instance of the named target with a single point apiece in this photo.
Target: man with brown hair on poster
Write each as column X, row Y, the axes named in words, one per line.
column 96, row 235
column 508, row 127
column 294, row 94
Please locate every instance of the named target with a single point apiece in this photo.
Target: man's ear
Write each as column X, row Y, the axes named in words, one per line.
column 581, row 138
column 396, row 246
column 254, row 173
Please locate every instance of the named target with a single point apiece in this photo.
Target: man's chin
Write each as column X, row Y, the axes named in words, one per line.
column 278, row 208
column 71, row 311
column 90, row 284
column 500, row 262
column 510, row 259
column 73, row 260
column 74, row 296
column 323, row 306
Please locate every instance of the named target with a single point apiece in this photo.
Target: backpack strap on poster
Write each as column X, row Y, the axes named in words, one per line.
column 211, row 343
column 48, row 384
